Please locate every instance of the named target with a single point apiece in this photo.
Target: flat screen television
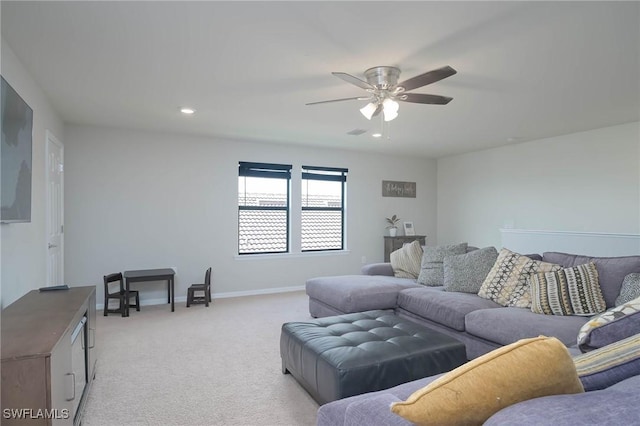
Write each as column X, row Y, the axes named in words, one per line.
column 15, row 153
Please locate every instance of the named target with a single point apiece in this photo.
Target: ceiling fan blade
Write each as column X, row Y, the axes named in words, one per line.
column 427, row 78
column 359, row 98
column 421, row 98
column 377, row 111
column 353, row 80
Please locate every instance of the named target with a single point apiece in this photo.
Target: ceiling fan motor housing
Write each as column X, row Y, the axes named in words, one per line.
column 382, row 78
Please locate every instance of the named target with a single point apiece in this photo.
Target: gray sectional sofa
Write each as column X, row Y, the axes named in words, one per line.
column 481, row 324
column 611, row 396
column 618, row 404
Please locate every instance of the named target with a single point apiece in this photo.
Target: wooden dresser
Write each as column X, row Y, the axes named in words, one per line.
column 48, row 356
column 395, row 243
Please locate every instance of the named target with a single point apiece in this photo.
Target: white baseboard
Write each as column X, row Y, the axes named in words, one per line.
column 183, row 299
column 255, row 292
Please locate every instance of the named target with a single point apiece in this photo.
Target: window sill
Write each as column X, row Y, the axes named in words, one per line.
column 260, row 256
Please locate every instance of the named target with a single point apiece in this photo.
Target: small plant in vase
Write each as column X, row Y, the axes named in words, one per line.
column 392, row 221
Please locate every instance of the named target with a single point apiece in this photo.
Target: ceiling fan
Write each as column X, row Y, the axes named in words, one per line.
column 385, row 91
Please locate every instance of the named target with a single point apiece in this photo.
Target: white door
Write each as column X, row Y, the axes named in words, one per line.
column 55, row 211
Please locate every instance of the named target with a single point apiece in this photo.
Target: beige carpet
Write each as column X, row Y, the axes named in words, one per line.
column 199, row 366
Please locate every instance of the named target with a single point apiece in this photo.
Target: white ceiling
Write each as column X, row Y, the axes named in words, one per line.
column 526, row 70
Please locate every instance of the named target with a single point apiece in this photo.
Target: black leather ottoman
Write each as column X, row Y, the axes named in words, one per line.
column 346, row 355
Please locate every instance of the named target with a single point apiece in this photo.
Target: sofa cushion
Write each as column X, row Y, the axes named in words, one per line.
column 611, row 270
column 442, row 307
column 507, row 325
column 373, row 410
column 630, row 289
column 357, row 293
column 431, row 268
column 608, row 365
column 612, row 325
column 466, row 272
column 569, row 291
column 334, row 413
column 507, row 284
column 616, row 405
column 473, row 392
column 406, row 260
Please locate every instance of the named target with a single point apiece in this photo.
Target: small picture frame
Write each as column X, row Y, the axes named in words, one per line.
column 408, row 229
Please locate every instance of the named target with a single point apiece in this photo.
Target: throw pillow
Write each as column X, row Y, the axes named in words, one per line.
column 610, row 364
column 630, row 289
column 431, row 268
column 506, row 283
column 611, row 270
column 466, row 272
column 569, row 291
column 610, row 326
column 406, row 260
column 473, row 392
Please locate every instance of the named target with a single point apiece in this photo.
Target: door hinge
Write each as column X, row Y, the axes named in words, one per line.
column 62, row 229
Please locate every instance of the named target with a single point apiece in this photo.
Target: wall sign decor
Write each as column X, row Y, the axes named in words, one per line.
column 391, row 188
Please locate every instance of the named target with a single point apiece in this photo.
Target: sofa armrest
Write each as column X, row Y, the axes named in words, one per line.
column 378, row 269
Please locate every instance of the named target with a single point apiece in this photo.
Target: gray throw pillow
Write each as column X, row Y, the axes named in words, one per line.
column 630, row 289
column 466, row 272
column 431, row 269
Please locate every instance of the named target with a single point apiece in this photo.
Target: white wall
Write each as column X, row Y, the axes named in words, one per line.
column 24, row 245
column 142, row 200
column 586, row 181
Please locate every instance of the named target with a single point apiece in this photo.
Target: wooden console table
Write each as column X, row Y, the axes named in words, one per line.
column 395, row 243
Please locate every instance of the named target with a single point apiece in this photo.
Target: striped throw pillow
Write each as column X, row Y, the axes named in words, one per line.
column 406, row 261
column 610, row 364
column 570, row 291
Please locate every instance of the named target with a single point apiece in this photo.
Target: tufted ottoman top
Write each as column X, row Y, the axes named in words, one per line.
column 345, row 355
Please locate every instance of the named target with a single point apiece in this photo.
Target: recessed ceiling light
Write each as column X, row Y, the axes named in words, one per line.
column 376, row 135
column 187, row 110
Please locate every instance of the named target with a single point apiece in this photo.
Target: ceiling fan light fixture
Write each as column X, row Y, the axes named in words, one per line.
column 388, row 116
column 390, row 109
column 368, row 110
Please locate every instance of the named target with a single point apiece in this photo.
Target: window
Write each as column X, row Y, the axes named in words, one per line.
column 263, row 208
column 323, row 193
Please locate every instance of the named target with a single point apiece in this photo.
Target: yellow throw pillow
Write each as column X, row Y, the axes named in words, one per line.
column 473, row 392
